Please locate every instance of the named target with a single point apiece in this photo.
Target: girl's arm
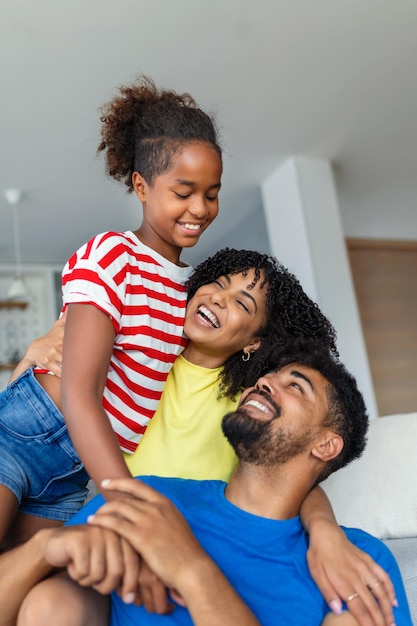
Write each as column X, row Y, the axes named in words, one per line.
column 338, row 567
column 88, row 345
column 45, row 352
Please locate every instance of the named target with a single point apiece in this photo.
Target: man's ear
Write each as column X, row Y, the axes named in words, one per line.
column 253, row 345
column 328, row 447
column 139, row 186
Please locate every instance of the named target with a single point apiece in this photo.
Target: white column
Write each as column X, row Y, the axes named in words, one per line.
column 305, row 234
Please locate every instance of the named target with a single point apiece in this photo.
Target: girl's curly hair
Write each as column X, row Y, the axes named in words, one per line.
column 144, row 127
column 290, row 313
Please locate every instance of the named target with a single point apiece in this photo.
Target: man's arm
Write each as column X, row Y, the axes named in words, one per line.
column 20, row 570
column 211, row 599
column 93, row 557
column 157, row 530
column 97, row 557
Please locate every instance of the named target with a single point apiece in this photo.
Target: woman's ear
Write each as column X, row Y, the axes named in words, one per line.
column 252, row 346
column 328, row 447
column 139, row 186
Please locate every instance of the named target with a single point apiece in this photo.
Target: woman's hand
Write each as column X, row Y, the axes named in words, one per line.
column 342, row 570
column 44, row 352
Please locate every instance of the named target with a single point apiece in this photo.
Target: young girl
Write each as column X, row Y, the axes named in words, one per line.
column 125, row 299
column 238, row 300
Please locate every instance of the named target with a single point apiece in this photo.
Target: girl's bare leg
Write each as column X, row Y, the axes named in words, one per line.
column 8, row 508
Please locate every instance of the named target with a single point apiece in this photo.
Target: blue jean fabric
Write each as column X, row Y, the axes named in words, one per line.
column 38, row 462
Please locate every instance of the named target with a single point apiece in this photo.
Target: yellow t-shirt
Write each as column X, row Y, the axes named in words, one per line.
column 184, row 438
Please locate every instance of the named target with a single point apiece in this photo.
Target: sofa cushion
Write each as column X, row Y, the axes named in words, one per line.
column 405, row 552
column 378, row 492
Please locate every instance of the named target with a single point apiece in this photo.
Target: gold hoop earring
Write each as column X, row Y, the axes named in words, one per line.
column 245, row 355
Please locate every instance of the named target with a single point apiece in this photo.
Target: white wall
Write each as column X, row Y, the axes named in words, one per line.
column 376, row 209
column 305, row 232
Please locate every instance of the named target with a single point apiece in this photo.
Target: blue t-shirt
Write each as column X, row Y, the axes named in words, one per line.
column 264, row 559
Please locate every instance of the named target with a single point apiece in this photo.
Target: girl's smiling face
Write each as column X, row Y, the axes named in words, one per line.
column 223, row 317
column 182, row 202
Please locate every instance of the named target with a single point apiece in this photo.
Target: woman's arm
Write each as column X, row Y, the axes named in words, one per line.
column 45, row 352
column 338, row 567
column 88, row 344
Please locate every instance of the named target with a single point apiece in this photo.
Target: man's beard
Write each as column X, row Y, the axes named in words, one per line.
column 259, row 442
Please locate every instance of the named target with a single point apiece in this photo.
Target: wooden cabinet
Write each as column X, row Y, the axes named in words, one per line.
column 9, row 304
column 385, row 278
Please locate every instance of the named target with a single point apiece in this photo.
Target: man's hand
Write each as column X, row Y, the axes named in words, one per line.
column 157, row 530
column 149, row 522
column 94, row 557
column 152, row 592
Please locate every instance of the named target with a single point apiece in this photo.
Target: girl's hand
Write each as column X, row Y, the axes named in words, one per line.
column 341, row 570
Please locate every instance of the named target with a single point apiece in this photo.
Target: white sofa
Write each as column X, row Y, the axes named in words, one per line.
column 378, row 493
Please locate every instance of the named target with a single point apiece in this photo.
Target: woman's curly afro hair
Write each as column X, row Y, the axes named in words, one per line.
column 290, row 313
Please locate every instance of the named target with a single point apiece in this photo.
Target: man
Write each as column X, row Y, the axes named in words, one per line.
column 299, row 423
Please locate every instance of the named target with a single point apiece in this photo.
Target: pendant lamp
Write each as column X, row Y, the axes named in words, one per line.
column 18, row 290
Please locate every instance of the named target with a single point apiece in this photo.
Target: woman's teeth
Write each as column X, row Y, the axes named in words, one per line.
column 209, row 316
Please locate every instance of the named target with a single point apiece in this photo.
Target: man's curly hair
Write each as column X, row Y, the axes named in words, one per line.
column 290, row 313
column 347, row 414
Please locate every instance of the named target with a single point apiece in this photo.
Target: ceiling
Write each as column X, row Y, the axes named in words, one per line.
column 333, row 79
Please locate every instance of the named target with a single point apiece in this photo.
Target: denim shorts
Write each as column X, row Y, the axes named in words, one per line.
column 38, row 462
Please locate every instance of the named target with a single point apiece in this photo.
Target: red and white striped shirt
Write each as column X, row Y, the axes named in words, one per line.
column 145, row 297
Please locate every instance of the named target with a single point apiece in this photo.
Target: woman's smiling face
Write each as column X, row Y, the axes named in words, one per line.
column 223, row 317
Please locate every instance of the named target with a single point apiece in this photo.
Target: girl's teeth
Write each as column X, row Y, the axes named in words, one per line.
column 193, row 226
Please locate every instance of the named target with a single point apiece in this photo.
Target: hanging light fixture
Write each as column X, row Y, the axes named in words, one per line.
column 18, row 290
